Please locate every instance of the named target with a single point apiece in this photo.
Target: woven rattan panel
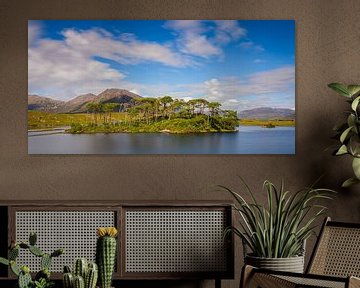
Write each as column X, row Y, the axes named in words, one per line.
column 311, row 282
column 175, row 241
column 75, row 231
column 338, row 253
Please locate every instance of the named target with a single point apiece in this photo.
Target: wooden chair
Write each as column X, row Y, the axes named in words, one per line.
column 335, row 262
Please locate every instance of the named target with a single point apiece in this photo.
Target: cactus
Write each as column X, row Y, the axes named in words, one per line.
column 80, row 268
column 24, row 278
column 45, row 261
column 89, row 272
column 79, row 282
column 13, row 253
column 36, row 251
column 91, row 276
column 68, row 280
column 32, row 238
column 14, row 268
column 57, row 252
column 105, row 254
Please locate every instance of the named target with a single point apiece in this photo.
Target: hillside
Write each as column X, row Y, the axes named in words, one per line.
column 268, row 113
column 44, row 104
column 78, row 104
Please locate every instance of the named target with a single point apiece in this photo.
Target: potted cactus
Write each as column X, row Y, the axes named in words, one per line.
column 106, row 254
column 42, row 278
column 84, row 275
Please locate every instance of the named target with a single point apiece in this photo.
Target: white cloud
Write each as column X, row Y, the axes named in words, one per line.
column 271, row 88
column 125, row 49
column 205, row 38
column 66, row 68
column 228, row 30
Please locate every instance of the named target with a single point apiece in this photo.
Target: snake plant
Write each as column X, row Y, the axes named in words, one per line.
column 349, row 131
column 279, row 228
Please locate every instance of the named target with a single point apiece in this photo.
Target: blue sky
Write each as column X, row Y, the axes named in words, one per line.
column 241, row 64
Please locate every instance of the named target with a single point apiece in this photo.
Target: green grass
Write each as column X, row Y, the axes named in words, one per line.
column 267, row 123
column 42, row 120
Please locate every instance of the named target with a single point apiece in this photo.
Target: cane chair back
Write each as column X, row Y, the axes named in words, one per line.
column 337, row 252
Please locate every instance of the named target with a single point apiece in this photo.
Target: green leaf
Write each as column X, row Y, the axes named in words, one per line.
column 342, row 150
column 355, row 103
column 354, row 145
column 351, row 120
column 349, row 182
column 4, row 261
column 340, row 88
column 353, row 89
column 345, row 134
column 356, row 167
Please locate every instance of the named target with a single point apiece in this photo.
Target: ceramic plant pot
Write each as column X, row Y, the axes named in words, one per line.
column 291, row 264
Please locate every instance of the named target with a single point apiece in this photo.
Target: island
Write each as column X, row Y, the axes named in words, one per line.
column 121, row 111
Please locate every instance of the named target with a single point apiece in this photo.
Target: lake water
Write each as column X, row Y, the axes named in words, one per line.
column 248, row 140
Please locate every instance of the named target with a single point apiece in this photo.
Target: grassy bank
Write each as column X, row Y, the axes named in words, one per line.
column 265, row 123
column 42, row 120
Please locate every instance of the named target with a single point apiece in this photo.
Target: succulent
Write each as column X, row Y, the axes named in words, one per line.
column 85, row 275
column 42, row 278
column 106, row 254
column 91, row 276
column 24, row 277
column 79, row 282
column 80, row 268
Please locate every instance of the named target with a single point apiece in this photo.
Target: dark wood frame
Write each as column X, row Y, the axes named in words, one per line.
column 119, row 207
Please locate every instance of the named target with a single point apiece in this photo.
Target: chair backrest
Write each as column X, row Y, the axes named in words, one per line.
column 337, row 251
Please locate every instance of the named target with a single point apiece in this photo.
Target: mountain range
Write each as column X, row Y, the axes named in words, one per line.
column 78, row 104
column 268, row 113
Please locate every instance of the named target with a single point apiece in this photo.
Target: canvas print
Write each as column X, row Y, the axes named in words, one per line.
column 161, row 87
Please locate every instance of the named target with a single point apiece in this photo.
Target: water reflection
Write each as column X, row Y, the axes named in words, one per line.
column 249, row 140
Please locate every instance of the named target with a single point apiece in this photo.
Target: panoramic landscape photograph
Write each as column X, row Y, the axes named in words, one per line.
column 161, row 87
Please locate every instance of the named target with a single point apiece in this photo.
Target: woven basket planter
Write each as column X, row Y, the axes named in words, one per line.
column 291, row 264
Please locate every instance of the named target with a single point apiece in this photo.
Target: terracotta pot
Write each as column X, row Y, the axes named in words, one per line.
column 291, row 264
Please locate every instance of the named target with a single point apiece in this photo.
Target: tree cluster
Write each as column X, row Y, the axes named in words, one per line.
column 151, row 110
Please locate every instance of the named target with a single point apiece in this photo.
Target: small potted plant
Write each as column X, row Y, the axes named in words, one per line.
column 349, row 131
column 275, row 233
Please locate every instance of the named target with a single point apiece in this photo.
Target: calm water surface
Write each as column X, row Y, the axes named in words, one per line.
column 249, row 140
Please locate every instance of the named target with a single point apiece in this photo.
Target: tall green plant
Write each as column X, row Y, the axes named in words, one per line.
column 349, row 131
column 279, row 229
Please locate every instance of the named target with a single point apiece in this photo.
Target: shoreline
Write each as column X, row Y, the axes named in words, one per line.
column 63, row 130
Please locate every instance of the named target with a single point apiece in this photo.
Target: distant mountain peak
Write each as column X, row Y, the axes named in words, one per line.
column 78, row 104
column 267, row 113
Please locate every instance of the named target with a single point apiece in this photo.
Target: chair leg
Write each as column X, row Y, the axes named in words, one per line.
column 217, row 283
column 246, row 273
